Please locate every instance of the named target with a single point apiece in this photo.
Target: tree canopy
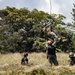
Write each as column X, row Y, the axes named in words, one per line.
column 21, row 30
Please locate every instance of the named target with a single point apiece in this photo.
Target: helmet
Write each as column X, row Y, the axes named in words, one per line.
column 25, row 54
column 71, row 54
column 49, row 42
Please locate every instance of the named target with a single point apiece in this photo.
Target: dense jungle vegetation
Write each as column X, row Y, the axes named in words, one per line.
column 22, row 29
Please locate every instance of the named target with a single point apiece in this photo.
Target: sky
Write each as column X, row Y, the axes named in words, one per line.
column 63, row 7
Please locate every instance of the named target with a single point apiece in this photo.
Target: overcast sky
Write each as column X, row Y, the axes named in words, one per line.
column 58, row 6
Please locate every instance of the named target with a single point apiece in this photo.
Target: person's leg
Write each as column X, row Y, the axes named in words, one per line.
column 54, row 60
column 22, row 61
column 27, row 60
column 71, row 63
column 50, row 60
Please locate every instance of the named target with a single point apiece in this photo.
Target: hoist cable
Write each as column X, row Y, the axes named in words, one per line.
column 50, row 14
column 50, row 7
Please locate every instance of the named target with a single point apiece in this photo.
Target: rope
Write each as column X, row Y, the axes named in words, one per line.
column 50, row 14
column 50, row 7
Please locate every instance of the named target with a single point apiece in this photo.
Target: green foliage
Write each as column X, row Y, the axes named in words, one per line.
column 60, row 30
column 38, row 46
column 69, row 44
column 21, row 29
column 58, row 50
column 38, row 72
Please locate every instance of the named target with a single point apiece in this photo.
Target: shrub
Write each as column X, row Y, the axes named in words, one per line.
column 38, row 46
column 37, row 72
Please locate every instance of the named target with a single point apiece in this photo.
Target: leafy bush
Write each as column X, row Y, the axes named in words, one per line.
column 38, row 46
column 37, row 72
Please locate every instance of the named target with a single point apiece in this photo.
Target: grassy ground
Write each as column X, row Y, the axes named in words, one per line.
column 10, row 64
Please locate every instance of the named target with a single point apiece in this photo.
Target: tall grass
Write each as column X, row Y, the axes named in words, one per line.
column 10, row 64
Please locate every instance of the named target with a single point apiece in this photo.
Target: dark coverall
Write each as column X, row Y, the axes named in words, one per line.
column 72, row 61
column 51, row 52
column 25, row 59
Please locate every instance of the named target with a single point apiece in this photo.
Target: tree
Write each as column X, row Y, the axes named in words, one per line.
column 68, row 45
column 21, row 29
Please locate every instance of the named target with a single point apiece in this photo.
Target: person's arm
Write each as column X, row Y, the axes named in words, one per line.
column 46, row 52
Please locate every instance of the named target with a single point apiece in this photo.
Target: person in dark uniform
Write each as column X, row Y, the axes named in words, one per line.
column 51, row 53
column 72, row 59
column 24, row 60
